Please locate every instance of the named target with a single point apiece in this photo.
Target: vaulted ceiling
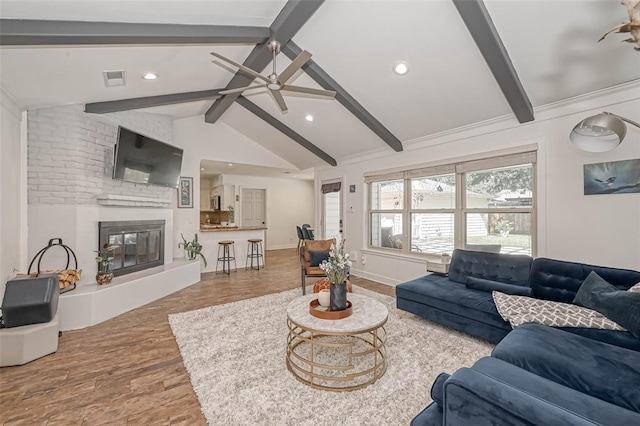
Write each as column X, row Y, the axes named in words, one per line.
column 540, row 51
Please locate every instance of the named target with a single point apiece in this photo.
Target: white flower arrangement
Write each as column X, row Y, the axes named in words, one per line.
column 338, row 266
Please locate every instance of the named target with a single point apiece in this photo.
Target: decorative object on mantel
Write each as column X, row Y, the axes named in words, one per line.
column 104, row 258
column 192, row 248
column 185, row 193
column 232, row 215
column 615, row 177
column 67, row 278
column 600, row 133
column 337, row 270
column 632, row 27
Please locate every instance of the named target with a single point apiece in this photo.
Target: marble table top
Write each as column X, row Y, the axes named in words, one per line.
column 367, row 314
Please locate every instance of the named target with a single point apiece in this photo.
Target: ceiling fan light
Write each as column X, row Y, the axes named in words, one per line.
column 599, row 133
column 400, row 68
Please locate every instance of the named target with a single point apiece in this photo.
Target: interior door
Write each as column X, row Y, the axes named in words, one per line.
column 253, row 207
column 331, row 209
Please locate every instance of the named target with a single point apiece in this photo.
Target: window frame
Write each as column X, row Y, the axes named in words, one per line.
column 460, row 210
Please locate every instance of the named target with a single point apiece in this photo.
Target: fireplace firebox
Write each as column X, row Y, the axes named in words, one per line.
column 137, row 245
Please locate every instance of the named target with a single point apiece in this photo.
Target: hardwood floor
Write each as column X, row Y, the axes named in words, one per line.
column 128, row 370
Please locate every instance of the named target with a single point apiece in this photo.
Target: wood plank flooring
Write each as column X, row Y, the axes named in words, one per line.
column 128, row 370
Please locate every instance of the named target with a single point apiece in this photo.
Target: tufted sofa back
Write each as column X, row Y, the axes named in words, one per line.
column 560, row 280
column 504, row 268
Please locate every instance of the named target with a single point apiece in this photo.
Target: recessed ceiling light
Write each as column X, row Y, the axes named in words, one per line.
column 400, row 68
column 309, row 117
column 202, row 168
column 150, row 76
column 230, row 164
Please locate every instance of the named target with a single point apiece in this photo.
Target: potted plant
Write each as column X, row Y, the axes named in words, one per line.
column 337, row 269
column 104, row 258
column 192, row 248
column 232, row 215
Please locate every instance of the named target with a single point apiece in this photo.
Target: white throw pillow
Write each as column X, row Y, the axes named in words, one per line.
column 635, row 288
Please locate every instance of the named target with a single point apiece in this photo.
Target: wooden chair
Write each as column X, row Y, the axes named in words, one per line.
column 300, row 237
column 306, row 270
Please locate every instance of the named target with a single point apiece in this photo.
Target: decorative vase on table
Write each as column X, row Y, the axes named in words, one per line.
column 337, row 270
column 104, row 258
column 104, row 277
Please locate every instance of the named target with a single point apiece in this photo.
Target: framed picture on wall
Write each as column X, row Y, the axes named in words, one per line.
column 615, row 177
column 185, row 193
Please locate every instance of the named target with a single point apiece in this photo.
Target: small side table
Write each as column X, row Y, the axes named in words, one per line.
column 438, row 267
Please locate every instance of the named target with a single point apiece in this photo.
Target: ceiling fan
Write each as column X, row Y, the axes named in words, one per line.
column 275, row 82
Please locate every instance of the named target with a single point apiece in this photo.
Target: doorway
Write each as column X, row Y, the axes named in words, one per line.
column 331, row 208
column 253, row 207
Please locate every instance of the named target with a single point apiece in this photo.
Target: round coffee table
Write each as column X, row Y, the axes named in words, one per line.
column 337, row 355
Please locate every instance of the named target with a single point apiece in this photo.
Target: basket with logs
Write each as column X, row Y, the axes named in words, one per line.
column 67, row 278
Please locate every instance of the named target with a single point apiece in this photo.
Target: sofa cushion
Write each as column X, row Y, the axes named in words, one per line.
column 560, row 280
column 514, row 391
column 504, row 268
column 441, row 293
column 437, row 389
column 489, row 285
column 621, row 306
column 317, row 257
column 603, row 371
column 624, row 339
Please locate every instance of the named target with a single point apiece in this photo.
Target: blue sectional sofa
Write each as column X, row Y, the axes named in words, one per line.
column 537, row 375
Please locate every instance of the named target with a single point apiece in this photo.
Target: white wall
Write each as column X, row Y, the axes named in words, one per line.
column 597, row 229
column 218, row 142
column 70, row 161
column 12, row 203
column 289, row 202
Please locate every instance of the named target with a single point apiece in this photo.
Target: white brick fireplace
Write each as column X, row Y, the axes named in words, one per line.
column 70, row 190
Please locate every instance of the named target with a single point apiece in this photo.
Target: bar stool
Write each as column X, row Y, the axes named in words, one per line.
column 226, row 256
column 254, row 251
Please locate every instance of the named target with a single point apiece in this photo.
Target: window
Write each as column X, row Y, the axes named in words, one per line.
column 485, row 205
column 387, row 206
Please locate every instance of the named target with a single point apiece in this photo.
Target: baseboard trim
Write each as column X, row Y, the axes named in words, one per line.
column 375, row 277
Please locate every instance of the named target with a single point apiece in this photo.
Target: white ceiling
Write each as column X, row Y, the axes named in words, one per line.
column 552, row 45
column 209, row 169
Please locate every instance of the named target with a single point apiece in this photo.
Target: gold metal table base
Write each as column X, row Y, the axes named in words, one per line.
column 350, row 361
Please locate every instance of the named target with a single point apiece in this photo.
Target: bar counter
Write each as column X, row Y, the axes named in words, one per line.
column 220, row 228
column 211, row 235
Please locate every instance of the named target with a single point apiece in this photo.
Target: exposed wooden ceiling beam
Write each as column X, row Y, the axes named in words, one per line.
column 478, row 21
column 255, row 109
column 27, row 32
column 291, row 18
column 321, row 77
column 150, row 101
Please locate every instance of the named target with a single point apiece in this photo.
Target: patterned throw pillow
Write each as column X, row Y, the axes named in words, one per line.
column 635, row 288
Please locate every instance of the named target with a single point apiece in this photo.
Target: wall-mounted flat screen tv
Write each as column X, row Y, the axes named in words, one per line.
column 141, row 159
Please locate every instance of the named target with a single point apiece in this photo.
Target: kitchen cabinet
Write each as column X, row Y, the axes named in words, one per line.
column 227, row 194
column 205, row 200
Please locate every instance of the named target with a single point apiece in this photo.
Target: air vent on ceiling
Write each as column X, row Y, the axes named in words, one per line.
column 113, row 78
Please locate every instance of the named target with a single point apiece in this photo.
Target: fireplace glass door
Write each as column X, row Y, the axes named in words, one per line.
column 137, row 245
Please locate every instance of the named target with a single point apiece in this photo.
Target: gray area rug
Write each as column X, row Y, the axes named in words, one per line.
column 235, row 356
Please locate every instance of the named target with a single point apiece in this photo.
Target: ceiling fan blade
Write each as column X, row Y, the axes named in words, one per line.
column 247, row 70
column 277, row 96
column 242, row 89
column 294, row 66
column 309, row 90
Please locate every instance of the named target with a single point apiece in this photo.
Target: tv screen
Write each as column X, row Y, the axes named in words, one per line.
column 140, row 159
